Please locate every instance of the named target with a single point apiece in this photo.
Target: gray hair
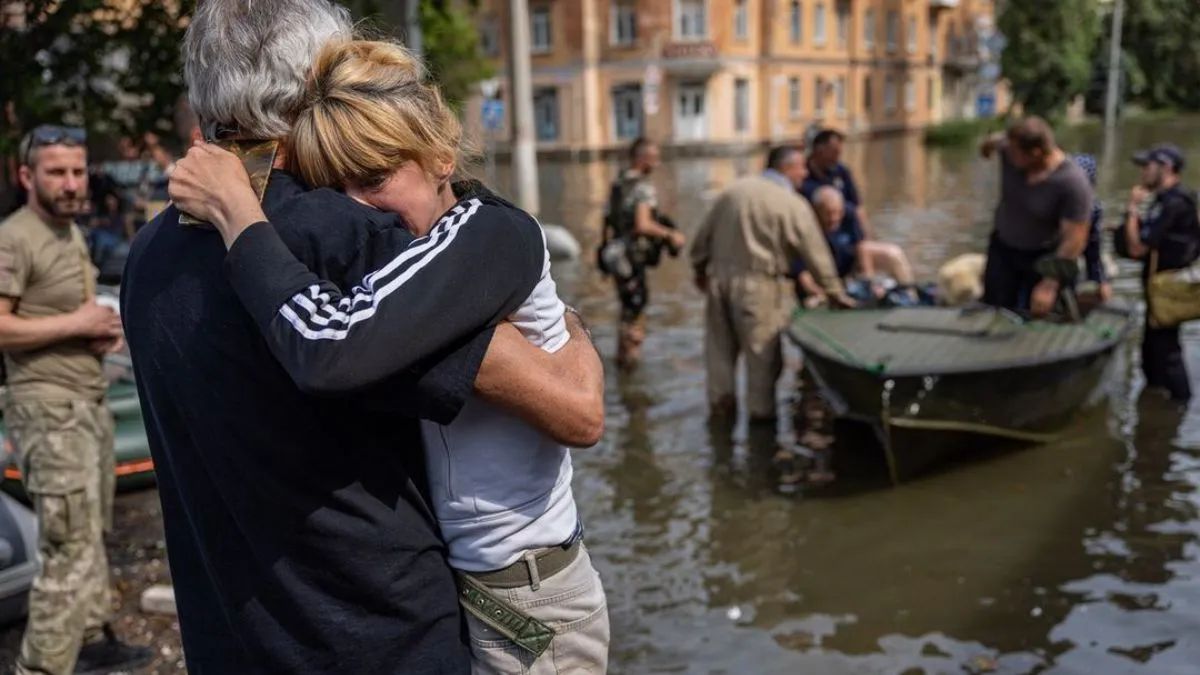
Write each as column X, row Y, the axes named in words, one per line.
column 828, row 196
column 246, row 61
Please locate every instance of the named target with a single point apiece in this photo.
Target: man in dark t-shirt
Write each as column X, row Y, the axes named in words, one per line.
column 1166, row 237
column 1044, row 210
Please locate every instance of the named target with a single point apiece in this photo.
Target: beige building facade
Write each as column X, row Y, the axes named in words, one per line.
column 699, row 75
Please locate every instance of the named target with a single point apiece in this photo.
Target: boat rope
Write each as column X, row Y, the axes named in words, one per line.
column 877, row 368
column 973, row 427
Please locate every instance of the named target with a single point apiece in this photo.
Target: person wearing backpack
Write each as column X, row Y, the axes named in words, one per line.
column 634, row 236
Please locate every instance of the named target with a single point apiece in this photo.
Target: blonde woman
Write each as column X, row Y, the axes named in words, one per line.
column 501, row 490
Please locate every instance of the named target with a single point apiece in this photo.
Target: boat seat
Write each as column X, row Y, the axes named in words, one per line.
column 983, row 323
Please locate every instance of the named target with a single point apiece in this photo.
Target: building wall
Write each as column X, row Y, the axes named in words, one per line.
column 876, row 66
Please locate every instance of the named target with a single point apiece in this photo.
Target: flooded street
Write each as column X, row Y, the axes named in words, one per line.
column 1078, row 557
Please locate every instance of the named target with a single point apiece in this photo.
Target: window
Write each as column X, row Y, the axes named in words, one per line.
column 910, row 94
column 934, row 48
column 869, row 29
column 911, row 35
column 929, row 102
column 623, row 23
column 889, row 94
column 539, row 30
column 893, row 31
column 819, row 24
column 819, row 96
column 843, row 24
column 794, row 97
column 741, row 105
column 489, row 36
column 545, row 113
column 866, row 94
column 627, row 111
column 691, row 23
column 839, row 95
column 741, row 21
column 797, row 22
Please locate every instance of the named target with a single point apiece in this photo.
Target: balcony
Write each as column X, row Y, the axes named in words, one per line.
column 935, row 5
column 691, row 59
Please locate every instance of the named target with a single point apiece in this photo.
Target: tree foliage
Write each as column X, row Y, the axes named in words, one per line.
column 1048, row 58
column 1159, row 41
column 86, row 62
column 452, row 49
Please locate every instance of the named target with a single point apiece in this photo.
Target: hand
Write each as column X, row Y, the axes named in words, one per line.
column 815, row 300
column 677, row 239
column 1045, row 294
column 842, row 301
column 210, row 184
column 95, row 321
column 106, row 346
column 1106, row 292
column 1137, row 195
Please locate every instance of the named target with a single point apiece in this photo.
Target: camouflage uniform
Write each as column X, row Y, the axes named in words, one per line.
column 633, row 293
column 62, row 432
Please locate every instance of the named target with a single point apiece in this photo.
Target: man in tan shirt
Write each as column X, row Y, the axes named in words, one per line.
column 742, row 256
column 53, row 335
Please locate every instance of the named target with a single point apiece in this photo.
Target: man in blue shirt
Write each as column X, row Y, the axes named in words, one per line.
column 1166, row 237
column 825, row 169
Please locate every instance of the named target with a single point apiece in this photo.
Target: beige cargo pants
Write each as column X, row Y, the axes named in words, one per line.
column 65, row 452
column 746, row 315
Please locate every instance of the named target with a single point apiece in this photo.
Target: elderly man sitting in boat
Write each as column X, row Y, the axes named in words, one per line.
column 847, row 239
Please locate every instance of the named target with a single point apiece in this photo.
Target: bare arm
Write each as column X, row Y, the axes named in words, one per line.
column 19, row 334
column 805, row 241
column 645, row 224
column 1074, row 239
column 866, row 265
column 1133, row 224
column 561, row 394
column 991, row 144
column 810, row 285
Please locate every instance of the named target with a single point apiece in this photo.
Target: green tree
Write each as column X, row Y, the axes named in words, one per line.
column 452, row 49
column 1048, row 59
column 1159, row 41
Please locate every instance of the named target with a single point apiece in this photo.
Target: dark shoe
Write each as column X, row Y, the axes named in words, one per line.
column 110, row 655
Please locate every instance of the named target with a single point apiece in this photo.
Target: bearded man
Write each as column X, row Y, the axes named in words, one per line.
column 54, row 335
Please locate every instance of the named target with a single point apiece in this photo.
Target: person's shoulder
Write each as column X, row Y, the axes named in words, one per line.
column 21, row 222
column 491, row 210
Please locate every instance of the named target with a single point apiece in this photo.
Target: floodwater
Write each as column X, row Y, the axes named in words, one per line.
column 1077, row 557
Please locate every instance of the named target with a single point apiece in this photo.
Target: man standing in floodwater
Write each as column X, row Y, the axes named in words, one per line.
column 633, row 203
column 743, row 257
column 1045, row 210
column 1167, row 238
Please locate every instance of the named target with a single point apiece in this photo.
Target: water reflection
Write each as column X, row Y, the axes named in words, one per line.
column 1080, row 557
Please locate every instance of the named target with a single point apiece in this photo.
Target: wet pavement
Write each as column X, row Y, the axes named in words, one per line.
column 719, row 557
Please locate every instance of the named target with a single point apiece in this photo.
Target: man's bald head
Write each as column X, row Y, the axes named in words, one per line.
column 830, row 206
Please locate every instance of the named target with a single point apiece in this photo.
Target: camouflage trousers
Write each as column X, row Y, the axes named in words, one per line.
column 65, row 452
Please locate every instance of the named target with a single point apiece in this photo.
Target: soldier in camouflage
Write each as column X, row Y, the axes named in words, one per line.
column 635, row 202
column 53, row 335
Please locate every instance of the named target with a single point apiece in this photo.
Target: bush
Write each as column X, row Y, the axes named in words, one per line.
column 961, row 132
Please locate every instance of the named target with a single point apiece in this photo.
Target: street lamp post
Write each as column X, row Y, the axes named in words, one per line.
column 524, row 150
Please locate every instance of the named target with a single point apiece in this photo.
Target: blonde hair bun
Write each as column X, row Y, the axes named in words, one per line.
column 368, row 108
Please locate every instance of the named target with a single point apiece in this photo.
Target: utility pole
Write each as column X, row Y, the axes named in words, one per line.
column 524, row 150
column 412, row 27
column 1114, row 67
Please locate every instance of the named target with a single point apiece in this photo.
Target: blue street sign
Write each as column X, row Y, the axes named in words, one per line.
column 985, row 105
column 492, row 114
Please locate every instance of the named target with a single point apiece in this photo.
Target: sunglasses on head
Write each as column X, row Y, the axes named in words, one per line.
column 50, row 134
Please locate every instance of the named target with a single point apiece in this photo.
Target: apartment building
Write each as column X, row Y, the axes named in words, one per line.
column 705, row 74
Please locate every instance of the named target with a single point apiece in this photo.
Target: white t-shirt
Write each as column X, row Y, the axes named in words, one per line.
column 500, row 487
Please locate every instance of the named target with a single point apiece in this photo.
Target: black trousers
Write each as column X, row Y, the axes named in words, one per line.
column 1162, row 362
column 1010, row 275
